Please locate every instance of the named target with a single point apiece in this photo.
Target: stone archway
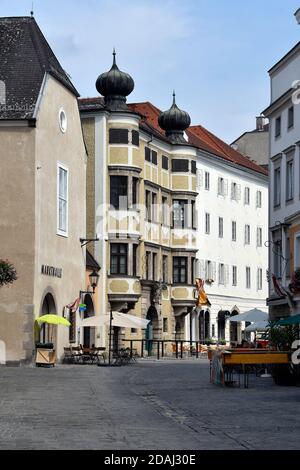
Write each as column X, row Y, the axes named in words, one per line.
column 48, row 333
column 206, row 324
column 222, row 317
column 88, row 332
column 234, row 328
column 152, row 332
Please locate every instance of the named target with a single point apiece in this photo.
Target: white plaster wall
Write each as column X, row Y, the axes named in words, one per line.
column 224, row 250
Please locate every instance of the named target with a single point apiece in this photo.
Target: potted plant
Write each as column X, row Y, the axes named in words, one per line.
column 281, row 339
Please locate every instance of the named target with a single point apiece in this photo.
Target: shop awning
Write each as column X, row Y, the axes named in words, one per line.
column 122, row 320
column 292, row 320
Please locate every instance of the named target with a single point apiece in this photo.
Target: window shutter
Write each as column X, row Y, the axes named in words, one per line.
column 199, row 178
column 219, row 185
column 225, row 187
column 238, row 192
column 257, row 279
column 226, row 280
column 214, row 271
column 232, row 191
column 245, row 234
column 197, row 268
column 219, row 274
column 202, row 269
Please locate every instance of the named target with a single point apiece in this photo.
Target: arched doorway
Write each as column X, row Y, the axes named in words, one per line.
column 222, row 317
column 48, row 333
column 204, row 325
column 152, row 328
column 234, row 327
column 207, row 324
column 88, row 332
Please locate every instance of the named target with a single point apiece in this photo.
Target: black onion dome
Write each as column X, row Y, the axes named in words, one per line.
column 115, row 86
column 174, row 122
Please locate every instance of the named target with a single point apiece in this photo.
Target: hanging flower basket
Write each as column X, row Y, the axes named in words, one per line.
column 8, row 273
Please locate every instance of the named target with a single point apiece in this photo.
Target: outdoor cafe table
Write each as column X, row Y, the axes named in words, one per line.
column 223, row 363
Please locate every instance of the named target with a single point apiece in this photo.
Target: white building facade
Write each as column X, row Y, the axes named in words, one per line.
column 284, row 168
column 232, row 259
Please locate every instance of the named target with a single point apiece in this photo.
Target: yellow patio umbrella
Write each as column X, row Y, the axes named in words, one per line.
column 52, row 319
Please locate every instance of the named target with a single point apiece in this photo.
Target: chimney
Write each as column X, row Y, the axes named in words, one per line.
column 260, row 123
column 297, row 15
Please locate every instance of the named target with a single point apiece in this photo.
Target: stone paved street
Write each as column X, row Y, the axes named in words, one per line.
column 149, row 405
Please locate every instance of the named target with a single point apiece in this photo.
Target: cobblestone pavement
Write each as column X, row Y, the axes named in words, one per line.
column 149, row 405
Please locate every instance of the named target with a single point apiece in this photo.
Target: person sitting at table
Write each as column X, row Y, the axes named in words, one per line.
column 245, row 344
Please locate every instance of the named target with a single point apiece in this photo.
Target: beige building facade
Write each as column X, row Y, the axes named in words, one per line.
column 42, row 167
column 141, row 193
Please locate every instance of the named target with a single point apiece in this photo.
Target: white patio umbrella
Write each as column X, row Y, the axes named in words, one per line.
column 254, row 315
column 123, row 320
column 261, row 325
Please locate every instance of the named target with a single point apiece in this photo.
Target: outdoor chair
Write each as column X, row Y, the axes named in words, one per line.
column 68, row 357
column 76, row 354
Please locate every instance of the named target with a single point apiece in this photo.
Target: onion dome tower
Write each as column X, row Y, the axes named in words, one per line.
column 115, row 86
column 174, row 122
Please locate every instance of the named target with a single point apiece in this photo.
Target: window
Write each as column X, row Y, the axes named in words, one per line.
column 235, row 192
column 165, row 162
column 135, row 138
column 277, row 258
column 288, row 257
column 118, row 136
column 119, row 192
column 222, row 186
column 154, row 157
column 207, row 223
column 278, row 126
column 62, row 202
column 221, row 274
column 234, row 275
column 221, row 227
column 147, row 154
column 193, row 209
column 297, row 252
column 154, row 207
column 193, row 167
column 165, row 210
column 134, row 260
column 165, row 269
column 259, row 236
column 248, row 278
column 291, row 117
column 180, row 269
column 213, row 330
column 277, row 187
column 258, row 199
column 148, row 205
column 259, row 279
column 148, row 257
column 247, row 234
column 165, row 325
column 180, row 166
column 208, row 270
column 135, row 183
column 289, row 180
column 118, row 258
column 247, row 196
column 154, row 266
column 179, row 213
column 193, row 264
column 233, row 231
column 207, row 181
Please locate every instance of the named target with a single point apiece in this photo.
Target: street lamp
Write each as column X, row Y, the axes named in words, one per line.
column 94, row 279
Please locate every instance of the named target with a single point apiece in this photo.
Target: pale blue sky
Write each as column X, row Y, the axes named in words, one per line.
column 215, row 53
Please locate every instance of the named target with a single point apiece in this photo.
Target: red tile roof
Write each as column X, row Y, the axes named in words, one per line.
column 200, row 137
column 197, row 135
